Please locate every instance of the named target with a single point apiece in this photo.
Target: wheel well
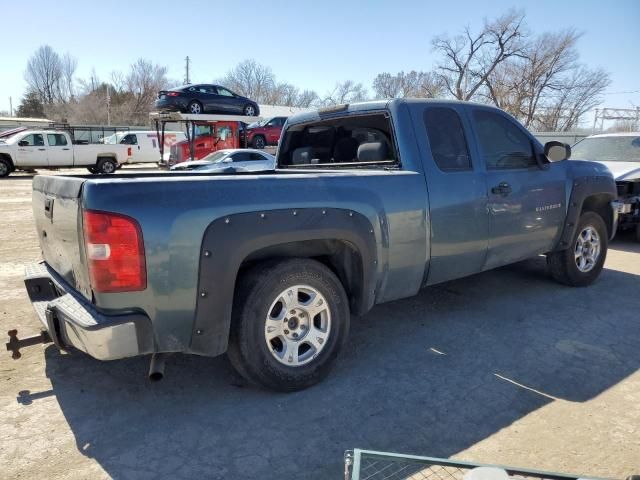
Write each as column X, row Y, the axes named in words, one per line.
column 6, row 157
column 341, row 257
column 106, row 156
column 600, row 204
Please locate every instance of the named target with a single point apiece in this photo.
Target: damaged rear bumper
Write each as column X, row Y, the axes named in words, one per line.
column 70, row 320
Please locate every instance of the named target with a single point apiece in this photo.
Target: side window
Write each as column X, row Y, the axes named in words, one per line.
column 34, row 140
column 502, row 143
column 129, row 139
column 240, row 157
column 446, row 137
column 256, row 157
column 224, row 92
column 56, row 140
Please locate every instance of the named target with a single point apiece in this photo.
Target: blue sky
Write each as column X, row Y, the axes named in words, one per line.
column 310, row 44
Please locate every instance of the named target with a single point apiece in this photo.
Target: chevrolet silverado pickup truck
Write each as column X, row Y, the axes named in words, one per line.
column 36, row 149
column 370, row 202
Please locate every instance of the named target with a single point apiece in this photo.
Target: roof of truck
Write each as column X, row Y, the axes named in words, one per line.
column 376, row 105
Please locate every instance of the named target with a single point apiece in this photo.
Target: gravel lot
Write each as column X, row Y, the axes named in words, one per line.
column 504, row 367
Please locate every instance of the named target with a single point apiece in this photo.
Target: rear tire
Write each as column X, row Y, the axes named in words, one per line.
column 290, row 320
column 195, row 108
column 5, row 168
column 259, row 142
column 106, row 165
column 581, row 263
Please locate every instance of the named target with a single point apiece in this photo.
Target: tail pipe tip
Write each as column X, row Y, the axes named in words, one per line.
column 156, row 368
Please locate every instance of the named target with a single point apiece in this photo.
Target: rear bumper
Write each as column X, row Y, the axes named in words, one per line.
column 74, row 322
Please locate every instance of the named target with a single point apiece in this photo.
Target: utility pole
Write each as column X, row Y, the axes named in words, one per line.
column 10, row 107
column 187, row 80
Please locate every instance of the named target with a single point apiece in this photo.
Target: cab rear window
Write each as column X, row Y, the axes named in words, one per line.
column 354, row 141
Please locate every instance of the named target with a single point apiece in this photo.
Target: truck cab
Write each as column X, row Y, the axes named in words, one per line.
column 209, row 137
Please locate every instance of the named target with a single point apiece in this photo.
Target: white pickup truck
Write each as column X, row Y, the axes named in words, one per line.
column 36, row 149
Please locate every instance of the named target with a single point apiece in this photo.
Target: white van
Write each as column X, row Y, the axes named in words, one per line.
column 144, row 144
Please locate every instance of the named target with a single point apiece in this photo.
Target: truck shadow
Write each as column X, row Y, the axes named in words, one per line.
column 430, row 375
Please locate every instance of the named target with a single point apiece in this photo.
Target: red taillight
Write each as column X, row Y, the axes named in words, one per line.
column 172, row 94
column 129, row 151
column 115, row 252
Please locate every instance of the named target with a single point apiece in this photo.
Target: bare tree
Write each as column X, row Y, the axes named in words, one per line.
column 143, row 82
column 345, row 92
column 411, row 84
column 68, row 70
column 43, row 74
column 582, row 92
column 252, row 80
column 306, row 99
column 469, row 59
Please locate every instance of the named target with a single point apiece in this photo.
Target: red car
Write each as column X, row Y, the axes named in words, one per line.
column 261, row 134
column 210, row 137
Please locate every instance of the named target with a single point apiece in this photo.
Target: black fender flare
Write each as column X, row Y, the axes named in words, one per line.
column 583, row 189
column 229, row 241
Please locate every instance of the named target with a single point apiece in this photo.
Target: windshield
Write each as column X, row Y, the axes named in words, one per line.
column 608, row 149
column 216, row 157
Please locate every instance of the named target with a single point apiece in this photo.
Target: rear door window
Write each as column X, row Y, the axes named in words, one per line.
column 446, row 139
column 56, row 139
column 502, row 143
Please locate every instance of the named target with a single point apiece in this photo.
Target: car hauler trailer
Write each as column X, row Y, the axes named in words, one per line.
column 192, row 121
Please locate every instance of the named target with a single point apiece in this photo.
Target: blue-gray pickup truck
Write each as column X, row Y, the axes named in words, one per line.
column 369, row 203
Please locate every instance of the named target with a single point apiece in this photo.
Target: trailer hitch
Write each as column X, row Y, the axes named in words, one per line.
column 15, row 344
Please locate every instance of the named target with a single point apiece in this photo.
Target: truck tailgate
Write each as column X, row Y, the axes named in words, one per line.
column 58, row 217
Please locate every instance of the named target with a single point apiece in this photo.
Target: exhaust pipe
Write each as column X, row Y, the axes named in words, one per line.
column 156, row 369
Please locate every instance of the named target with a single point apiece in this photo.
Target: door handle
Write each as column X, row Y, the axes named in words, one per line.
column 502, row 189
column 42, row 149
column 66, row 149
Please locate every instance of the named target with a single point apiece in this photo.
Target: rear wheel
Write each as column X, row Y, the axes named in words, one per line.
column 5, row 168
column 106, row 165
column 249, row 110
column 259, row 142
column 581, row 264
column 195, row 107
column 290, row 321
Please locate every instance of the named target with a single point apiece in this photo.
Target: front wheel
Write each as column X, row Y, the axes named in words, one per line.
column 5, row 168
column 249, row 110
column 290, row 320
column 581, row 263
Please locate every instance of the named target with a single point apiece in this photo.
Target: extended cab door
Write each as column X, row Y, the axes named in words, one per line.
column 31, row 151
column 59, row 151
column 526, row 202
column 457, row 193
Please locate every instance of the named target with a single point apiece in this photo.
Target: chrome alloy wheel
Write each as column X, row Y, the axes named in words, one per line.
column 298, row 325
column 587, row 249
column 249, row 111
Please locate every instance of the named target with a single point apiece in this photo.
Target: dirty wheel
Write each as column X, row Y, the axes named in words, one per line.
column 290, row 320
column 581, row 263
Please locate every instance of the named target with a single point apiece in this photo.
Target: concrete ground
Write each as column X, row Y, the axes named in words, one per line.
column 503, row 367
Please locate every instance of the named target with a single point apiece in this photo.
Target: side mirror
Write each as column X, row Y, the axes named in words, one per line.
column 557, row 151
column 23, row 143
column 227, row 160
